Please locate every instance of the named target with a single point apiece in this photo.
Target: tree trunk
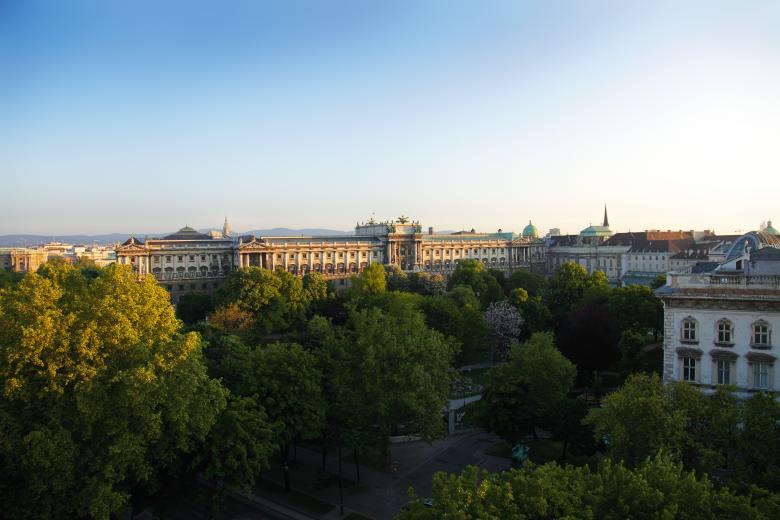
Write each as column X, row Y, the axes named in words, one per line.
column 324, row 454
column 357, row 464
column 286, row 466
column 565, row 447
column 341, row 486
column 295, row 451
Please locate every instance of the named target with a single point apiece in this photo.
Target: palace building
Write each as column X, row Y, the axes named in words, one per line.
column 188, row 261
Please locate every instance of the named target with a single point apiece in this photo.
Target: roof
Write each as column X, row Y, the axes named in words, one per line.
column 187, row 233
column 530, row 230
column 132, row 241
column 704, row 267
column 596, row 231
column 753, row 240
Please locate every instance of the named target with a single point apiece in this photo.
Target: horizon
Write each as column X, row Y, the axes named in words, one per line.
column 465, row 116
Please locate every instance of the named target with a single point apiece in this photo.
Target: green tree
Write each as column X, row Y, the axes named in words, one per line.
column 287, row 382
column 530, row 282
column 639, row 420
column 315, row 287
column 236, row 450
column 523, row 393
column 631, row 346
column 371, row 281
column 636, row 308
column 659, row 488
column 401, row 370
column 566, row 287
column 194, row 307
column 97, row 395
column 472, row 273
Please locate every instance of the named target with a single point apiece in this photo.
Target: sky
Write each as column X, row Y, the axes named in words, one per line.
column 143, row 116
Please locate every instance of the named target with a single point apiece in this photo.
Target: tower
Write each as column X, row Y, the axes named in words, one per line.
column 606, row 220
column 226, row 228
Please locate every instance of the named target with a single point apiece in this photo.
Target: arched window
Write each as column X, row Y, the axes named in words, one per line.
column 689, row 331
column 724, row 332
column 761, row 334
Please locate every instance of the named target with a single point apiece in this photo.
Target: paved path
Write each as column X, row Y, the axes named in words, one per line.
column 382, row 492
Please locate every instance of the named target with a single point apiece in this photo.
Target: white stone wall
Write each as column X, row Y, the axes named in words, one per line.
column 742, row 331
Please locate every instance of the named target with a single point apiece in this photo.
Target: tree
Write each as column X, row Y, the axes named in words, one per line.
column 522, row 394
column 589, row 338
column 536, row 316
column 400, row 370
column 97, row 396
column 472, row 273
column 639, row 420
column 315, row 287
column 236, row 450
column 194, row 307
column 530, row 282
column 371, row 281
column 659, row 488
column 759, row 441
column 566, row 287
column 426, row 284
column 458, row 315
column 631, row 346
column 287, row 383
column 636, row 308
column 658, row 282
column 505, row 324
column 397, row 280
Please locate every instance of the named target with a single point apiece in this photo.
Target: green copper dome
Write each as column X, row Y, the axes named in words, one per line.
column 769, row 229
column 530, row 231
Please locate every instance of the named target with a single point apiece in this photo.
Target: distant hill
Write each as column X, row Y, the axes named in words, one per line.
column 111, row 238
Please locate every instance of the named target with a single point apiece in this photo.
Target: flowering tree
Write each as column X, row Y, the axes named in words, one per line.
column 505, row 324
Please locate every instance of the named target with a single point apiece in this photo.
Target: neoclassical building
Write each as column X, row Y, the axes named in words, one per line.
column 191, row 261
column 719, row 326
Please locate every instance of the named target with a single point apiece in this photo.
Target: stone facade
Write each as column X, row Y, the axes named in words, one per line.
column 719, row 329
column 190, row 261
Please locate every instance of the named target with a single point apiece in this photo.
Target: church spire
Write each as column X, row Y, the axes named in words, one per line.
column 606, row 220
column 226, row 228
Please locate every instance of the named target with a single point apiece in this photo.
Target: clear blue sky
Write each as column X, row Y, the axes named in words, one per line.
column 146, row 115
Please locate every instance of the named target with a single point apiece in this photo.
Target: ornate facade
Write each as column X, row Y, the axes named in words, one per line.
column 191, row 261
column 719, row 326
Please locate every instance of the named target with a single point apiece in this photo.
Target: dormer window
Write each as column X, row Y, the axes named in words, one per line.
column 689, row 332
column 761, row 337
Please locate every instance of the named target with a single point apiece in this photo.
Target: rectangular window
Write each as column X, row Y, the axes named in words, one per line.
column 761, row 335
column 724, row 333
column 761, row 375
column 202, row 258
column 724, row 372
column 689, row 369
column 181, row 258
column 689, row 330
column 192, row 258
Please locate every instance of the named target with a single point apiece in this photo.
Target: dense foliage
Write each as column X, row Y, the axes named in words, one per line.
column 658, row 488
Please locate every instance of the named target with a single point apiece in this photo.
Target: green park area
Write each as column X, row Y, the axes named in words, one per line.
column 115, row 403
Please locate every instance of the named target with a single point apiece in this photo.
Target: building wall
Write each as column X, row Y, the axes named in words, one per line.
column 707, row 320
